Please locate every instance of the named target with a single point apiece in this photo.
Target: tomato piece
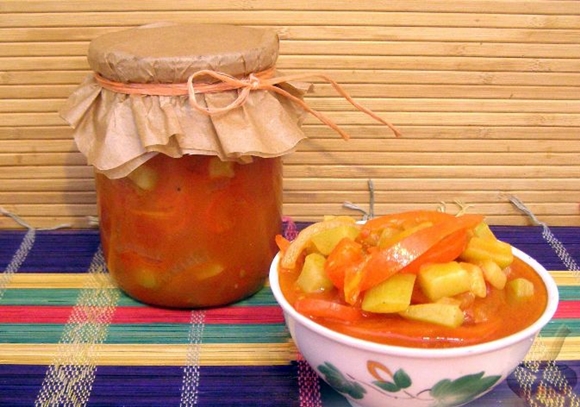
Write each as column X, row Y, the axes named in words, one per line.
column 347, row 254
column 382, row 264
column 318, row 308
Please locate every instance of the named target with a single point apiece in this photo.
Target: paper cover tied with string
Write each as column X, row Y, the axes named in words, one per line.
column 182, row 89
column 151, row 93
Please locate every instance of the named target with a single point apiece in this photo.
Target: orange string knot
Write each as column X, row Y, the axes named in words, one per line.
column 264, row 80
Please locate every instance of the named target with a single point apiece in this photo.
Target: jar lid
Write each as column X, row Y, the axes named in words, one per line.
column 171, row 53
column 118, row 131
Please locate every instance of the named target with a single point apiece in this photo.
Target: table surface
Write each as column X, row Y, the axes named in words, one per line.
column 69, row 337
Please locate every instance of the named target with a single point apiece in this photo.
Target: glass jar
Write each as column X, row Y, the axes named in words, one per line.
column 193, row 231
column 187, row 154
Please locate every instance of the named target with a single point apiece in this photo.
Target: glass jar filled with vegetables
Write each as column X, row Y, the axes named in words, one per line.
column 193, row 231
column 187, row 150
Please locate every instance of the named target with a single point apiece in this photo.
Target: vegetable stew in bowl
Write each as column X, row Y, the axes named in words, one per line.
column 417, row 279
column 413, row 309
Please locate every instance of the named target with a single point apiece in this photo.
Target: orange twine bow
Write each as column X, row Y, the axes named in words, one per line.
column 264, row 80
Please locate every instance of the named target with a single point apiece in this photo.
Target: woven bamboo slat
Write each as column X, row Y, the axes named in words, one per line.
column 47, row 197
column 485, row 93
column 495, row 6
column 353, row 47
column 298, row 16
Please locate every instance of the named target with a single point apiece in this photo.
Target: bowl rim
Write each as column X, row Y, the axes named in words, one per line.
column 528, row 332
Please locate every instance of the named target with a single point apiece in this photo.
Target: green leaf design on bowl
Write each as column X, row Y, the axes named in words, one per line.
column 387, row 386
column 459, row 391
column 340, row 383
column 445, row 393
column 401, row 380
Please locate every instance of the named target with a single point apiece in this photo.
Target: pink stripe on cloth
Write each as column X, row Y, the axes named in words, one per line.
column 59, row 314
column 35, row 314
column 224, row 315
column 308, row 385
column 568, row 309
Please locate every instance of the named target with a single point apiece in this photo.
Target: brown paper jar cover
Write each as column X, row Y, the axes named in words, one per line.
column 118, row 132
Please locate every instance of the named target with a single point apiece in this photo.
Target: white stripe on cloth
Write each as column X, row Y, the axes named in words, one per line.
column 539, row 370
column 191, row 371
column 22, row 252
column 550, row 238
column 17, row 260
column 69, row 379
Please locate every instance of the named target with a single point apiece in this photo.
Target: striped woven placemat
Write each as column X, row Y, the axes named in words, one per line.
column 69, row 337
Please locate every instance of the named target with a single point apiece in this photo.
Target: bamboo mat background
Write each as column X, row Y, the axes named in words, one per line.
column 486, row 94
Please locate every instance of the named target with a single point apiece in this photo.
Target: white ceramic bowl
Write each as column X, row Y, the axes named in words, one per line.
column 410, row 377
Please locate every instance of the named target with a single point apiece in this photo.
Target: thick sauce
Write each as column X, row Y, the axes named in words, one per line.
column 487, row 318
column 192, row 231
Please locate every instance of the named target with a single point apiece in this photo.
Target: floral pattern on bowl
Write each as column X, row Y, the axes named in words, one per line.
column 444, row 393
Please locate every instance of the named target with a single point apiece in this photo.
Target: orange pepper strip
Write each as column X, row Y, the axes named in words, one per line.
column 346, row 253
column 282, row 243
column 403, row 219
column 318, row 308
column 448, row 249
column 382, row 264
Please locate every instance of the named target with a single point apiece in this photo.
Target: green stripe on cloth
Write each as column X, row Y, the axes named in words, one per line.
column 569, row 293
column 553, row 327
column 178, row 333
column 28, row 333
column 262, row 297
column 41, row 296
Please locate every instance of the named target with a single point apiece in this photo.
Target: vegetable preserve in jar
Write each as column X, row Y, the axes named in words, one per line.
column 187, row 147
column 192, row 231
